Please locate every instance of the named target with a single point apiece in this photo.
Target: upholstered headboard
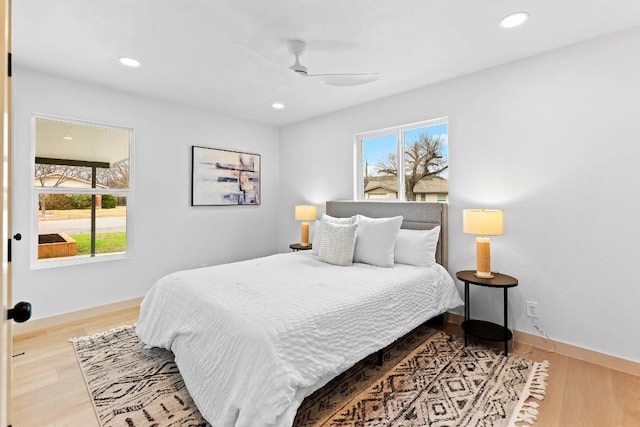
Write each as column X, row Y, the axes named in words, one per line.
column 417, row 216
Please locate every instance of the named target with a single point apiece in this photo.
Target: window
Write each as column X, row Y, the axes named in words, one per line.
column 81, row 186
column 423, row 151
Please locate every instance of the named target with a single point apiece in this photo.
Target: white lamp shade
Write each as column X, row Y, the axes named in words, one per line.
column 483, row 222
column 305, row 213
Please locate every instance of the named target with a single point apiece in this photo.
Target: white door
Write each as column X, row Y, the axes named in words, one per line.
column 5, row 278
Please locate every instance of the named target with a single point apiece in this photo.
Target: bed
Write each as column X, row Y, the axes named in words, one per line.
column 252, row 339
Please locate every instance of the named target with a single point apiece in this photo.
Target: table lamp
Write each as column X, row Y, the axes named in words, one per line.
column 305, row 213
column 483, row 222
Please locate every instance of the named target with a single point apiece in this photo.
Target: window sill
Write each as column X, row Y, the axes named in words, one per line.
column 77, row 260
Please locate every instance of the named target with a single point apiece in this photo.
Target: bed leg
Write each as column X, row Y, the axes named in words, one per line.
column 380, row 353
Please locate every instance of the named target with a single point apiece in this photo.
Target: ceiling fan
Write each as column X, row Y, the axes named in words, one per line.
column 296, row 47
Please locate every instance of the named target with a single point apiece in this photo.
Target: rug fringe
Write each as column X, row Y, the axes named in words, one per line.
column 101, row 334
column 526, row 412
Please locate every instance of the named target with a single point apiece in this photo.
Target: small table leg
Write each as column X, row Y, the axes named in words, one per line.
column 506, row 323
column 466, row 309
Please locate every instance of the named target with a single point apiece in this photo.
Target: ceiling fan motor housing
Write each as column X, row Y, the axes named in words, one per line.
column 296, row 47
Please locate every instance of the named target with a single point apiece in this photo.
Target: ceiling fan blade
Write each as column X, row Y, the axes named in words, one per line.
column 346, row 79
column 259, row 55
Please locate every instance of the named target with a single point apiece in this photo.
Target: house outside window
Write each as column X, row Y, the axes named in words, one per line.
column 81, row 187
column 422, row 150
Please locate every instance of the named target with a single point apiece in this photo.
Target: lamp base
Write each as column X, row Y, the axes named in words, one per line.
column 304, row 234
column 304, row 244
column 483, row 258
column 483, row 275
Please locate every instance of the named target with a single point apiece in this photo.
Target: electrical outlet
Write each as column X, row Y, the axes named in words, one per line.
column 531, row 308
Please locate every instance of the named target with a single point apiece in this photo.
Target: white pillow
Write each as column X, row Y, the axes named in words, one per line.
column 417, row 247
column 376, row 240
column 315, row 246
column 337, row 243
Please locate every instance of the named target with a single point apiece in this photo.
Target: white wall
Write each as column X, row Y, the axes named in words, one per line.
column 169, row 235
column 554, row 141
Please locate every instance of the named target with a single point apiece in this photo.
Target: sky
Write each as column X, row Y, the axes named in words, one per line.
column 376, row 149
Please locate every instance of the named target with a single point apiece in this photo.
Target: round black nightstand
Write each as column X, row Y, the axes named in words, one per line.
column 481, row 328
column 299, row 247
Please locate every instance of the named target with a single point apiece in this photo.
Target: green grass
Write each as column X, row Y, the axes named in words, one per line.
column 105, row 242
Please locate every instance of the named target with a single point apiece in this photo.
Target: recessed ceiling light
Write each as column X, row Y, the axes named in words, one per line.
column 129, row 62
column 67, row 137
column 514, row 20
column 278, row 105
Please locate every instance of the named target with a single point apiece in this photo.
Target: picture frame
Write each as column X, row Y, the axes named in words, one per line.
column 224, row 177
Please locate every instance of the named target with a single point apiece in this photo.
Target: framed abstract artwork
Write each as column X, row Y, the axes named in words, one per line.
column 224, row 177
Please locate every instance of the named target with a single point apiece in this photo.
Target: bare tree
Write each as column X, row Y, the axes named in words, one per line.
column 117, row 176
column 421, row 160
column 45, row 172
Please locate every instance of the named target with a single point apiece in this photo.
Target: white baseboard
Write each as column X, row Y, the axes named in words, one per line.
column 602, row 359
column 75, row 316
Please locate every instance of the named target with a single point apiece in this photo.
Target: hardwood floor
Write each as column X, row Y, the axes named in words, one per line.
column 49, row 390
column 48, row 387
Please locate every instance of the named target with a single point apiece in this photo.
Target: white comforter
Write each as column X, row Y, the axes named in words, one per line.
column 253, row 338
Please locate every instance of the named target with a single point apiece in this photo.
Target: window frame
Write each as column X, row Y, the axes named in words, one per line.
column 35, row 263
column 399, row 131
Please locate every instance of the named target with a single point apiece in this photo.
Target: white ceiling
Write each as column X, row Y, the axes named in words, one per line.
column 192, row 50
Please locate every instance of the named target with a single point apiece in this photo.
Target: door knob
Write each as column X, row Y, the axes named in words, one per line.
column 21, row 312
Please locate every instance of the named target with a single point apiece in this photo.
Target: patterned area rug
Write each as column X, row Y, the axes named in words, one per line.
column 428, row 378
column 134, row 386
